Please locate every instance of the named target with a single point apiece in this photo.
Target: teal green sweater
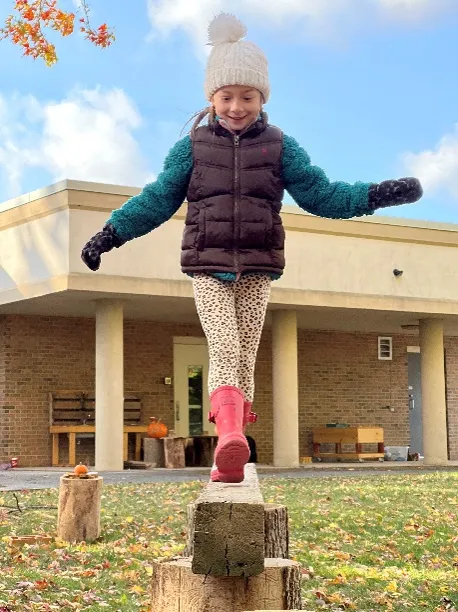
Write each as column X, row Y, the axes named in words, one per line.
column 308, row 185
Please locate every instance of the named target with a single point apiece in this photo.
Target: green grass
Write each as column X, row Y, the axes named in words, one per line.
column 365, row 544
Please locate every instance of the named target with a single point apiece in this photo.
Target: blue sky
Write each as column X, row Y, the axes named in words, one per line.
column 368, row 87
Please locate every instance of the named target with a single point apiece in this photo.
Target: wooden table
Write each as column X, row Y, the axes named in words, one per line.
column 356, row 436
column 200, row 450
column 73, row 430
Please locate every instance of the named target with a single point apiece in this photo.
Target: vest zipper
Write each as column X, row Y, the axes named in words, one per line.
column 236, row 206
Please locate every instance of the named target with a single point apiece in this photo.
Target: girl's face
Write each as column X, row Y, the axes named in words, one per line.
column 238, row 105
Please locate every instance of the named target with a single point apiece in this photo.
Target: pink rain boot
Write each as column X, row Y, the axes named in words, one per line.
column 232, row 451
column 248, row 417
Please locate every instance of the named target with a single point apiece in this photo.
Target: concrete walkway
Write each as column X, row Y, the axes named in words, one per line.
column 47, row 478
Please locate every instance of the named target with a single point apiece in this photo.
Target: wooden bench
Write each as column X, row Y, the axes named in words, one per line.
column 72, row 413
column 236, row 557
column 72, row 431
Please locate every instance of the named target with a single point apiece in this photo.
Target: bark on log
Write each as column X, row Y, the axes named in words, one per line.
column 78, row 517
column 276, row 536
column 176, row 588
column 191, row 514
column 276, row 531
column 174, row 455
column 153, row 452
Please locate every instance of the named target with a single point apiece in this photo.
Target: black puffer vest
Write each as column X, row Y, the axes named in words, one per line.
column 234, row 197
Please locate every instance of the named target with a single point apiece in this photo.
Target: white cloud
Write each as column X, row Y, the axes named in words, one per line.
column 16, row 139
column 438, row 168
column 89, row 135
column 190, row 16
column 193, row 17
column 316, row 17
column 415, row 10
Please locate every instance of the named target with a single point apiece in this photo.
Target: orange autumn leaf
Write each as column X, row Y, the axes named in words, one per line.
column 26, row 26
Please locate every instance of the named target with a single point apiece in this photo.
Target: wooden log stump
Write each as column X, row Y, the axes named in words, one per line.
column 191, row 517
column 176, row 588
column 78, row 517
column 276, row 531
column 153, row 452
column 174, row 453
column 229, row 528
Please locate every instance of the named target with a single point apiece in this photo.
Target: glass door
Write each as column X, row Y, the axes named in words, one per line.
column 190, row 389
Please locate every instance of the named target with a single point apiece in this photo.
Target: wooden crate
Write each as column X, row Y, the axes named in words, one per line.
column 355, row 436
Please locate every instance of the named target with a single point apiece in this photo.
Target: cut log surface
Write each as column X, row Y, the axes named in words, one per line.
column 229, row 528
column 175, row 588
column 78, row 516
column 276, row 538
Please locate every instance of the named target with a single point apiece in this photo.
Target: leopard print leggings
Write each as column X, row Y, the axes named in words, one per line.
column 232, row 316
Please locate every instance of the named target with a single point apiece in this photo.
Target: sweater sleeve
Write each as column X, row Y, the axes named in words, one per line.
column 313, row 192
column 159, row 200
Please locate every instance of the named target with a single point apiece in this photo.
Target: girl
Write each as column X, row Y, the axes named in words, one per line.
column 233, row 172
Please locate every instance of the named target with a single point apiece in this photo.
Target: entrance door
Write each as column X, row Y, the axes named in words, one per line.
column 190, row 388
column 415, row 412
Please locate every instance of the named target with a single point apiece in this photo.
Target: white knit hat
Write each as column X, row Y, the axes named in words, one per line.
column 234, row 61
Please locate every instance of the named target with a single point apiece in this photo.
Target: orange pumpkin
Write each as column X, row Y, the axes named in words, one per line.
column 156, row 429
column 80, row 469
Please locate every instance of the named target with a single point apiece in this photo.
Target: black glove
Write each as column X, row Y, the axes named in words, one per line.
column 102, row 242
column 392, row 193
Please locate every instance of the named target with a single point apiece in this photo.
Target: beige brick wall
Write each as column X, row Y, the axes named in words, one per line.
column 51, row 353
column 451, row 352
column 6, row 416
column 340, row 377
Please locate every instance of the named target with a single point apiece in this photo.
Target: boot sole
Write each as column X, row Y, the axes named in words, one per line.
column 231, row 459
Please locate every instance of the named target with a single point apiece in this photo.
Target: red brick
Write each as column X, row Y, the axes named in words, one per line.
column 340, row 379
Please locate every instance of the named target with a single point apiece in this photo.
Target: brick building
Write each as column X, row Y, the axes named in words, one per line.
column 343, row 341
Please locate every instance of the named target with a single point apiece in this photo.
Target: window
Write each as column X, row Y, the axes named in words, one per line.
column 385, row 348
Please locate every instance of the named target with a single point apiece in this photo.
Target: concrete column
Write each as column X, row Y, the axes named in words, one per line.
column 285, row 388
column 109, row 386
column 433, row 391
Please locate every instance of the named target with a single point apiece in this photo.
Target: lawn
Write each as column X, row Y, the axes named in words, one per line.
column 365, row 544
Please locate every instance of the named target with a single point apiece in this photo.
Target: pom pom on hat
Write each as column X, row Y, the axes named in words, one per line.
column 225, row 28
column 234, row 61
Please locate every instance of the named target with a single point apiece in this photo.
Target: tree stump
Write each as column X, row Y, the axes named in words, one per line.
column 276, row 531
column 190, row 513
column 78, row 516
column 153, row 452
column 276, row 536
column 174, row 453
column 176, row 588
